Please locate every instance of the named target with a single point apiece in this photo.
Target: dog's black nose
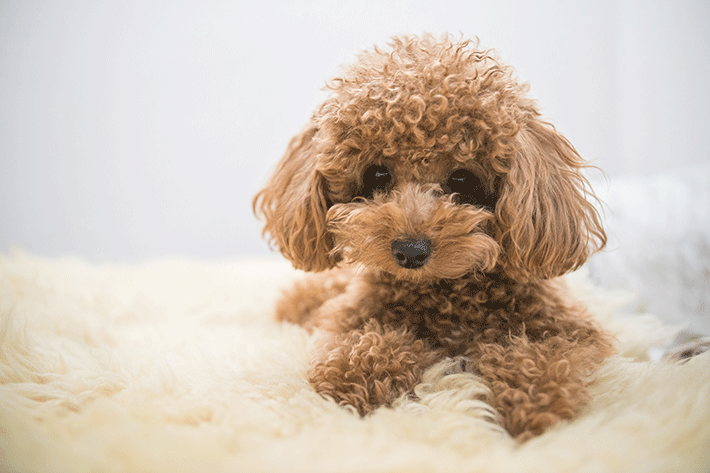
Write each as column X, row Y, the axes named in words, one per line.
column 411, row 253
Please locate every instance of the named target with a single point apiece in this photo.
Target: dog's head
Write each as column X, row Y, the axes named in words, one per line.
column 428, row 161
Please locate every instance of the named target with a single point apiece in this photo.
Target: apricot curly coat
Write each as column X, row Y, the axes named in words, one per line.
column 442, row 208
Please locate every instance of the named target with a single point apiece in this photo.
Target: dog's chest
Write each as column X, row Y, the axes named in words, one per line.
column 453, row 314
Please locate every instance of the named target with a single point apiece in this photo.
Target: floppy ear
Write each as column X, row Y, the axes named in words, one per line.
column 293, row 205
column 548, row 227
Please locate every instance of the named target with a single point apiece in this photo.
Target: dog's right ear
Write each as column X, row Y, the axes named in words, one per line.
column 293, row 204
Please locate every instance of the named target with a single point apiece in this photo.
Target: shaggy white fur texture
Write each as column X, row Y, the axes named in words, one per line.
column 177, row 366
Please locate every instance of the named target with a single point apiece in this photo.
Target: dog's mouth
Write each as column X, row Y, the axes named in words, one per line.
column 414, row 236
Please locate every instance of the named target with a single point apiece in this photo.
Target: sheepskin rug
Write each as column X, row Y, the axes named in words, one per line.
column 177, row 366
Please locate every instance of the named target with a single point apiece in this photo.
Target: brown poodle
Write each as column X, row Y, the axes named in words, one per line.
column 446, row 207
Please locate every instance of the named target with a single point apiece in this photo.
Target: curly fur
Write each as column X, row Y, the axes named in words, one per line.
column 422, row 109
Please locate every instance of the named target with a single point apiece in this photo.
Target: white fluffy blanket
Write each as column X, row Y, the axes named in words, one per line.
column 177, row 366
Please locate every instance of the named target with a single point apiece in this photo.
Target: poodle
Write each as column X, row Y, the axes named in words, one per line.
column 437, row 210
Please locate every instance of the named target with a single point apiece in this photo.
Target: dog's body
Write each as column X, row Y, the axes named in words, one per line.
column 449, row 208
column 533, row 348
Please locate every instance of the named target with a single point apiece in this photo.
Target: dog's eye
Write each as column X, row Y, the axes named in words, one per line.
column 469, row 189
column 375, row 178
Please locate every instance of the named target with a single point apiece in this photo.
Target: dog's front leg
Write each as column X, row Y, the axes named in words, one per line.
column 537, row 384
column 369, row 367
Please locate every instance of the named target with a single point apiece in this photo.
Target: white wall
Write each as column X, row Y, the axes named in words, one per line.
column 132, row 129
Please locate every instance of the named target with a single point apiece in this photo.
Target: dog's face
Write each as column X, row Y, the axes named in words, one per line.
column 429, row 162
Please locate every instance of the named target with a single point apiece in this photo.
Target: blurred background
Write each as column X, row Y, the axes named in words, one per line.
column 132, row 130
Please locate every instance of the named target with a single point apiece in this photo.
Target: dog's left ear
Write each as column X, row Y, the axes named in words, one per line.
column 547, row 225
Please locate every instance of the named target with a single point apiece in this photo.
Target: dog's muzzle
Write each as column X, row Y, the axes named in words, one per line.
column 411, row 253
